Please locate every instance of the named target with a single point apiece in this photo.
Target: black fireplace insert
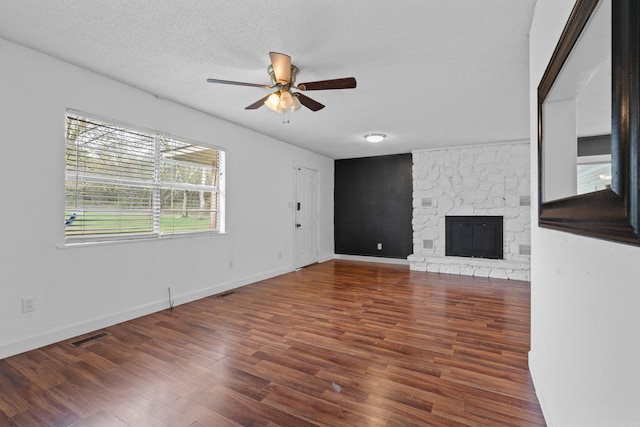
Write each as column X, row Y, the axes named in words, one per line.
column 474, row 236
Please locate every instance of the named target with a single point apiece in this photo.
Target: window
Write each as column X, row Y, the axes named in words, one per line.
column 123, row 183
column 594, row 173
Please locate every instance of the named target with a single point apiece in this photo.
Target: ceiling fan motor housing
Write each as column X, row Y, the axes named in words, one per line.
column 274, row 82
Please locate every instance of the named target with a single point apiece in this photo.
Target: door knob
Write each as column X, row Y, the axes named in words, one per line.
column 298, row 225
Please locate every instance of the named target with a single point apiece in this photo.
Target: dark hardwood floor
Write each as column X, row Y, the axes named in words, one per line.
column 340, row 344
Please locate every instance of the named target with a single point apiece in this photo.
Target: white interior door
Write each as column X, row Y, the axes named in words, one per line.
column 306, row 217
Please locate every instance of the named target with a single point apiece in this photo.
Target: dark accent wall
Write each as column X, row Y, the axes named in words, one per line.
column 373, row 204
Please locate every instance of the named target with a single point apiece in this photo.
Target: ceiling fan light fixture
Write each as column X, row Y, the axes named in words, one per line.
column 283, row 79
column 273, row 101
column 286, row 100
column 283, row 101
column 375, row 137
column 296, row 105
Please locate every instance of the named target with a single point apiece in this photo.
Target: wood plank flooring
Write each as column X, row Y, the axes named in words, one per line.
column 335, row 344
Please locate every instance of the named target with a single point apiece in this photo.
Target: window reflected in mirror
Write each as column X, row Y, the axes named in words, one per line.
column 594, row 164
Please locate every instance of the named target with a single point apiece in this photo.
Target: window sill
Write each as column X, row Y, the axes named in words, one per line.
column 140, row 239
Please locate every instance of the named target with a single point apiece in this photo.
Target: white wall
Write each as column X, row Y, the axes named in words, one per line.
column 79, row 290
column 585, row 336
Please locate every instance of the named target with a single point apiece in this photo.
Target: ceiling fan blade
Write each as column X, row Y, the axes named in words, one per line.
column 281, row 64
column 257, row 104
column 345, row 83
column 311, row 104
column 230, row 82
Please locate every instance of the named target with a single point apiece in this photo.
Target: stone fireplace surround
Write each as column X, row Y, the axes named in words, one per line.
column 491, row 179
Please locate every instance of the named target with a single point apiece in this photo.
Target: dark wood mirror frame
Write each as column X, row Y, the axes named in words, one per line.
column 610, row 214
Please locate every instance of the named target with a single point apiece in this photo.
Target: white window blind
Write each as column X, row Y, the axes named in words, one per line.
column 126, row 183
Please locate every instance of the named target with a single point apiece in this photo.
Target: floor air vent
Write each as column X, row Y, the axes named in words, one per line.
column 225, row 294
column 87, row 340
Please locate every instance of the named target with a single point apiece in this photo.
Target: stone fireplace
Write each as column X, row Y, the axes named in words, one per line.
column 476, row 182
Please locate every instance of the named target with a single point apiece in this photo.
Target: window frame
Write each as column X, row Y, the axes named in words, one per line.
column 217, row 187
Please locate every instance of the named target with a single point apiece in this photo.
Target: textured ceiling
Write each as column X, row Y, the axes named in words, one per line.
column 431, row 73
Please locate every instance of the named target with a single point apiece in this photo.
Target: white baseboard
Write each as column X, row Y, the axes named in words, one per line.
column 547, row 411
column 56, row 335
column 372, row 259
column 207, row 292
column 325, row 258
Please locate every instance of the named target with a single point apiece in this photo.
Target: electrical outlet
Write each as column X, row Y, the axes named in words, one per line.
column 230, row 265
column 379, row 246
column 28, row 304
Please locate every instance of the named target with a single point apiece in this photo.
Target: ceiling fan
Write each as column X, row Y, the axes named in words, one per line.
column 283, row 78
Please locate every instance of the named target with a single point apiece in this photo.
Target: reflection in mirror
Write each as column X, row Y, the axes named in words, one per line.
column 594, row 163
column 578, row 108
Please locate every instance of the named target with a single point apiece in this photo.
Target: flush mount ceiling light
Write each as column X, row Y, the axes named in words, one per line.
column 375, row 137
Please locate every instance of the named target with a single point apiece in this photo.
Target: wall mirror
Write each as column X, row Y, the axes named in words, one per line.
column 588, row 124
